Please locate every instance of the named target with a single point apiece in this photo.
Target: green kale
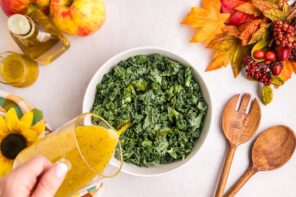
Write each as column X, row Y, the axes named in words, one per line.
column 161, row 100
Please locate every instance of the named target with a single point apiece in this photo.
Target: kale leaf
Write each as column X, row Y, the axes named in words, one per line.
column 161, row 100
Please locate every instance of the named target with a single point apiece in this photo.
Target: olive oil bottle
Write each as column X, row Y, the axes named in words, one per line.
column 37, row 37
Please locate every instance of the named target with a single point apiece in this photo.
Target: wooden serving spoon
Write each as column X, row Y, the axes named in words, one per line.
column 271, row 150
column 239, row 127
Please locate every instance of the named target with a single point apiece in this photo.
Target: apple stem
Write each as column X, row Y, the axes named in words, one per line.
column 70, row 2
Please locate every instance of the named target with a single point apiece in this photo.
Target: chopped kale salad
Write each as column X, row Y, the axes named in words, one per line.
column 163, row 103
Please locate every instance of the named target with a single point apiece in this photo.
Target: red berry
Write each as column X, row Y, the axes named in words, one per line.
column 257, row 75
column 270, row 55
column 259, row 54
column 283, row 53
column 267, row 62
column 276, row 70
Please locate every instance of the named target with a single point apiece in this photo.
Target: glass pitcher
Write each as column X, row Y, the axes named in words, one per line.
column 87, row 144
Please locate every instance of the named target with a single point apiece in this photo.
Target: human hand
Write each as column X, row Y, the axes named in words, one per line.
column 35, row 178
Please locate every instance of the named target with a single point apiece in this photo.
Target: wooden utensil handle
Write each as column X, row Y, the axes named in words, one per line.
column 225, row 171
column 241, row 182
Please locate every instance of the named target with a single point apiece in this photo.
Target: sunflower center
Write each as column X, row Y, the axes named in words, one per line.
column 12, row 145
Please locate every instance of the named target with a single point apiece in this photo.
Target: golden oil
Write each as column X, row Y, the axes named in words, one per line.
column 17, row 70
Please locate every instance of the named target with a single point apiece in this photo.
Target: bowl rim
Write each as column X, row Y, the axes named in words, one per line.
column 109, row 65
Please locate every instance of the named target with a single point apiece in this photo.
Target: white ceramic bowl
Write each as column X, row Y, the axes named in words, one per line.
column 105, row 68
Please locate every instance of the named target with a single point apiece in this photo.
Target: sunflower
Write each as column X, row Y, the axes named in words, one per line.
column 15, row 135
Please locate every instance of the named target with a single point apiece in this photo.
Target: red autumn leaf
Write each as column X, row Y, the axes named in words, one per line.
column 229, row 5
column 237, row 18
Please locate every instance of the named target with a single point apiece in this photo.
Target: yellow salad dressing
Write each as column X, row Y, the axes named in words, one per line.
column 19, row 70
column 96, row 144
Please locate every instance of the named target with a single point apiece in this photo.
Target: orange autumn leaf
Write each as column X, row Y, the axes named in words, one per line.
column 248, row 29
column 231, row 30
column 227, row 49
column 294, row 66
column 208, row 21
column 287, row 71
column 264, row 5
column 248, row 8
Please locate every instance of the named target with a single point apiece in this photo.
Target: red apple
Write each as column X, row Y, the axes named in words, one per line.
column 77, row 17
column 11, row 7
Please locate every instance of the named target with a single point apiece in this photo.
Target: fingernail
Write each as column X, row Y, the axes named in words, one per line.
column 61, row 169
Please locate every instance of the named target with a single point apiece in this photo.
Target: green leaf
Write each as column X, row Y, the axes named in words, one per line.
column 173, row 153
column 37, row 115
column 266, row 94
column 275, row 14
column 277, row 81
column 286, row 8
column 147, row 143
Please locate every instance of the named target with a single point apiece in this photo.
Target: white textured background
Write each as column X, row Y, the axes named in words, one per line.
column 132, row 23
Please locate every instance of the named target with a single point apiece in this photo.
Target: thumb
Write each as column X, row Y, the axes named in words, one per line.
column 51, row 180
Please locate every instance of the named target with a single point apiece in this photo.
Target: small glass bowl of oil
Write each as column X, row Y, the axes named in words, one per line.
column 17, row 70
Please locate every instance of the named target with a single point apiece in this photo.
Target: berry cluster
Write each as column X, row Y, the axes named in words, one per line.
column 257, row 71
column 283, row 34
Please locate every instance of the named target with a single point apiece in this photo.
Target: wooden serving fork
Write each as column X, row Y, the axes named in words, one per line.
column 239, row 126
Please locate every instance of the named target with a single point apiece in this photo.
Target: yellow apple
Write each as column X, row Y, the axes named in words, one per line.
column 77, row 17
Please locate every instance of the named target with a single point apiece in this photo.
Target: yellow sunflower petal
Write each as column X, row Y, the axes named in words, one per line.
column 30, row 135
column 5, row 166
column 39, row 127
column 3, row 127
column 11, row 119
column 26, row 120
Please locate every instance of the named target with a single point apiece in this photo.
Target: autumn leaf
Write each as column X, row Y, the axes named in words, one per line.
column 231, row 30
column 264, row 5
column 266, row 94
column 208, row 21
column 287, row 71
column 260, row 34
column 275, row 14
column 271, row 9
column 294, row 66
column 277, row 81
column 248, row 8
column 227, row 49
column 248, row 29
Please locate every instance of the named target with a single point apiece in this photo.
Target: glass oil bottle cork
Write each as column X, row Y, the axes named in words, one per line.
column 37, row 37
